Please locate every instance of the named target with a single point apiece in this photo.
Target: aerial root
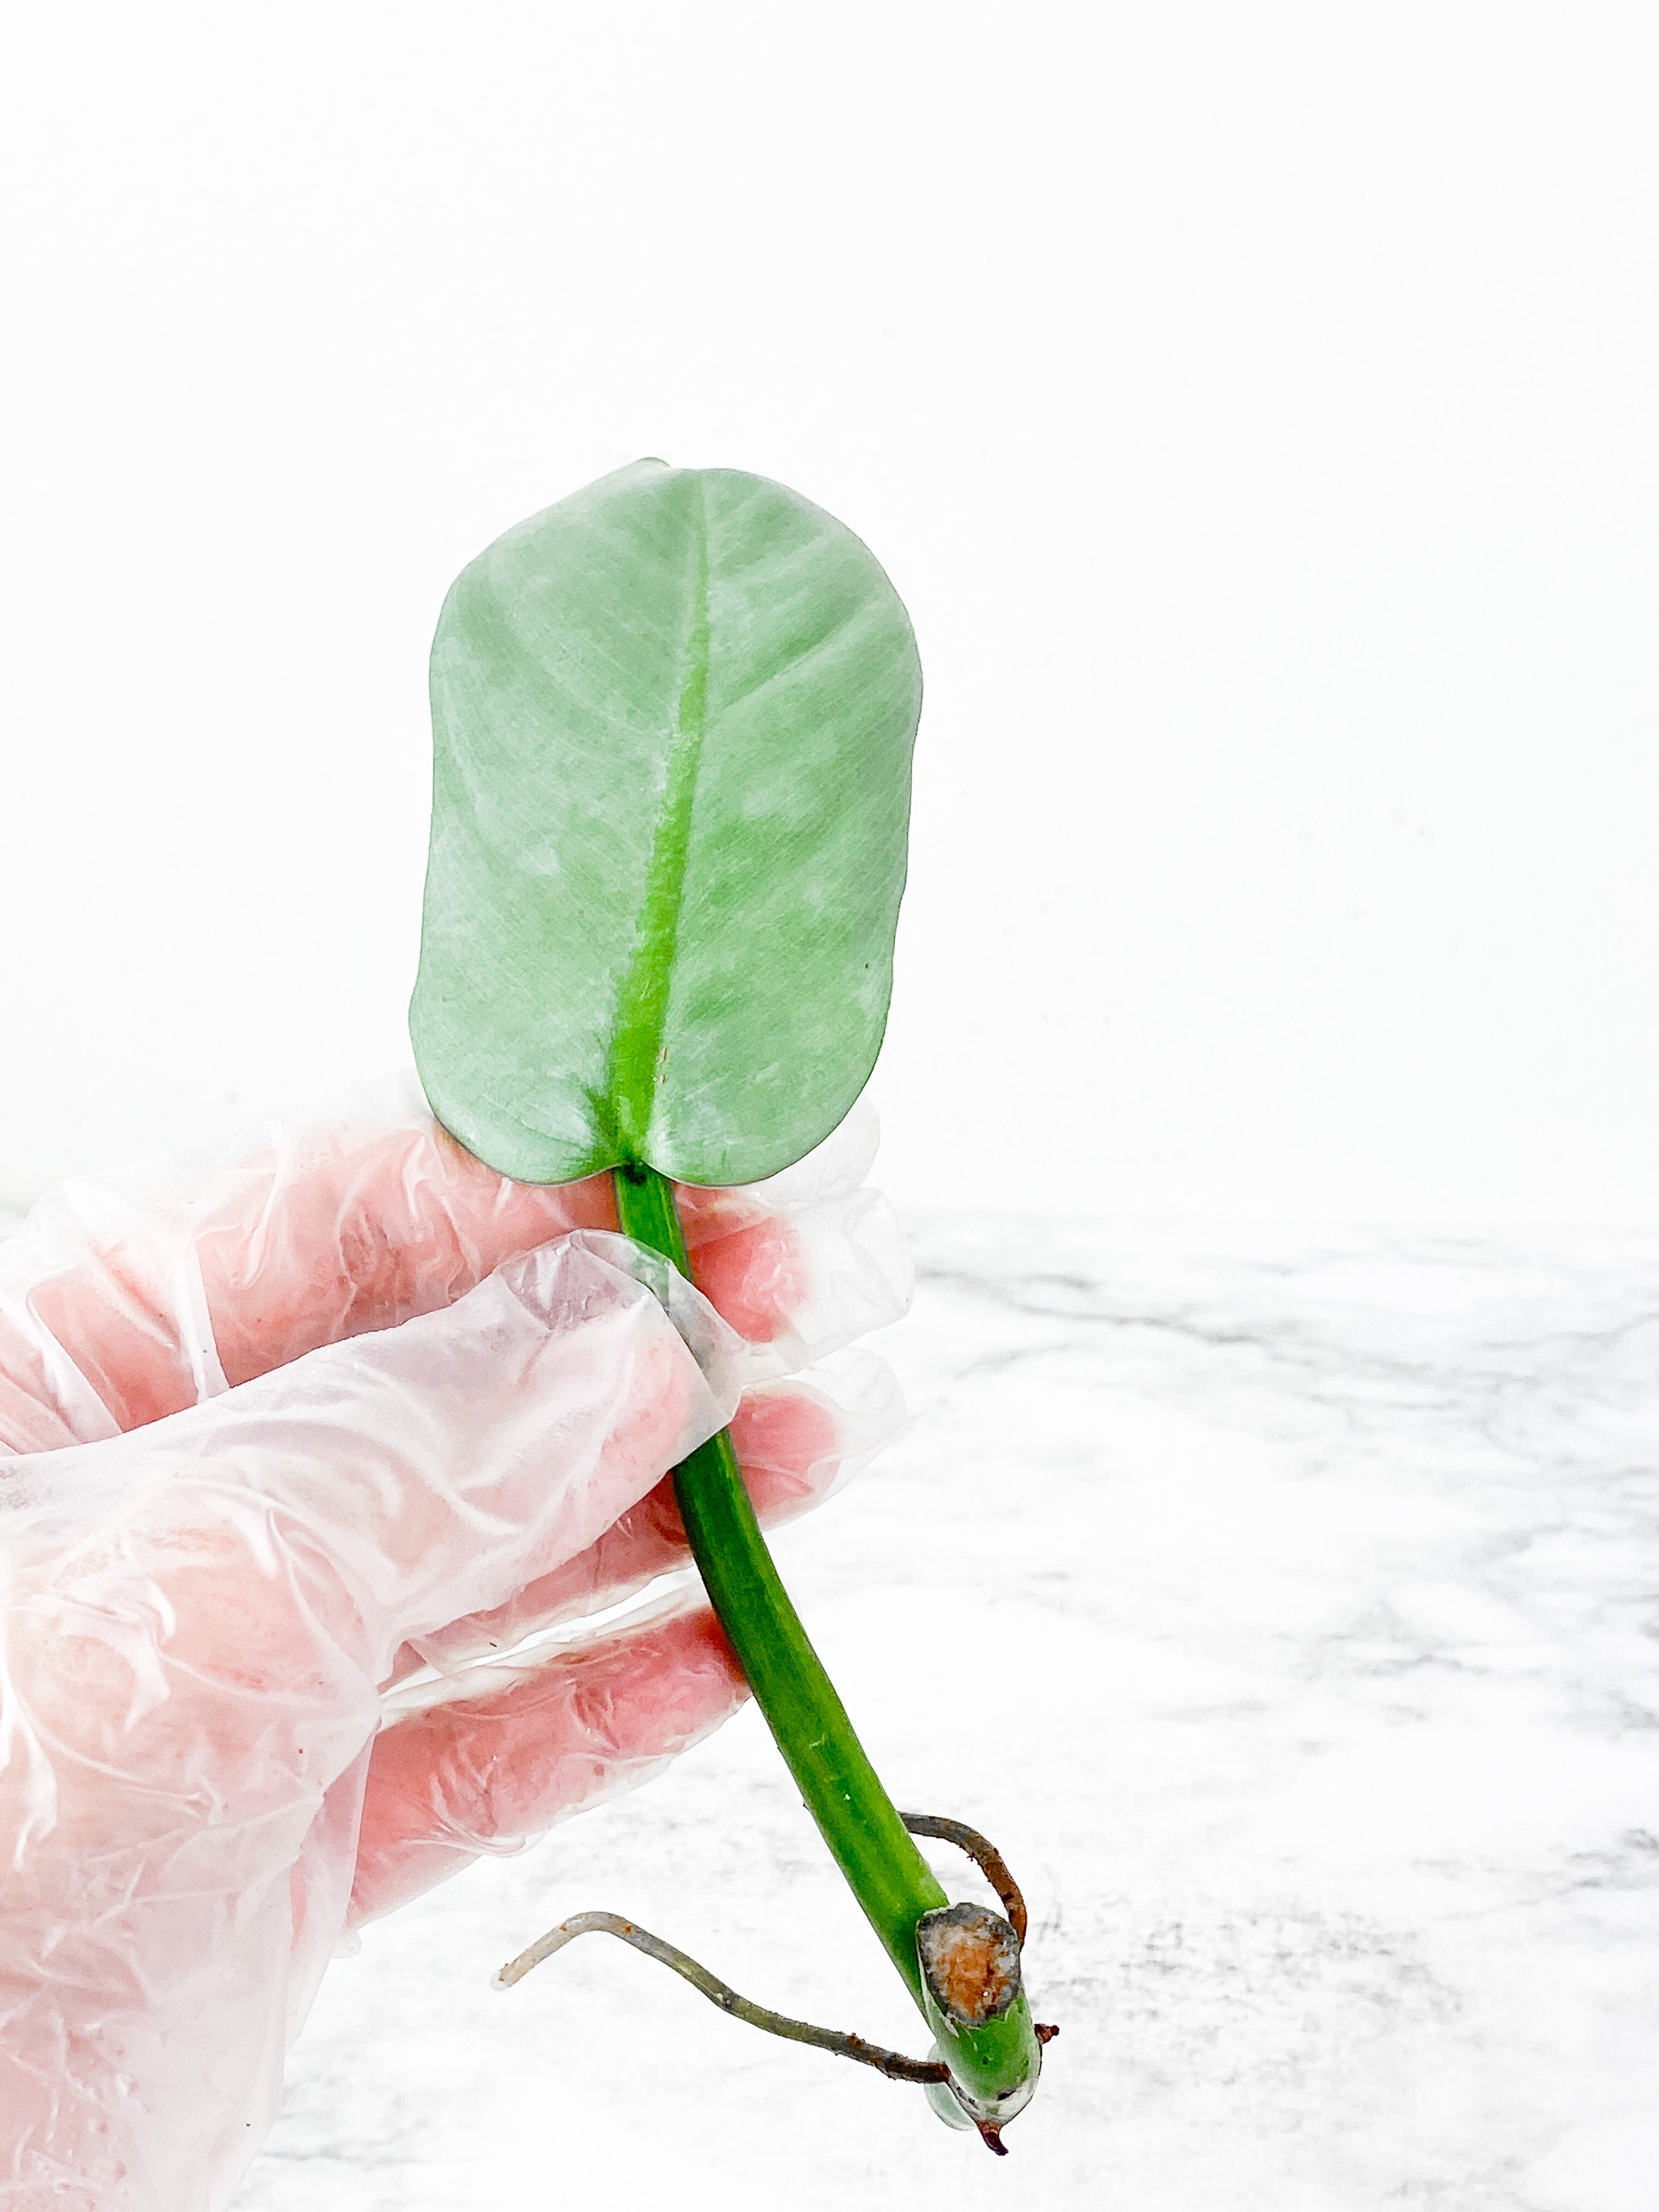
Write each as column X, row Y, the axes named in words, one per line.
column 893, row 2063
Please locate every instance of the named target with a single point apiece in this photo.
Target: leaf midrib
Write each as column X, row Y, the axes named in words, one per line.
column 641, row 1016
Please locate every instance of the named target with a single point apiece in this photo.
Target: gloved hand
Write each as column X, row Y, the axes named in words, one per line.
column 298, row 1443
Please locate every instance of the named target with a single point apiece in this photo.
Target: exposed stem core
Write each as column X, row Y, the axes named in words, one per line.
column 867, row 1839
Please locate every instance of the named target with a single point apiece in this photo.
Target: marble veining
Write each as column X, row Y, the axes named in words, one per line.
column 1288, row 1616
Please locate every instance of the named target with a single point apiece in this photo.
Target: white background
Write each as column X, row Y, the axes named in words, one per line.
column 1255, row 405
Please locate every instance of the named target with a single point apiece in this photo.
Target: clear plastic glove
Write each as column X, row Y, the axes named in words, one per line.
column 303, row 1449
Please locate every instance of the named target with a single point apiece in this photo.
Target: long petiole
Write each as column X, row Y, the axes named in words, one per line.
column 992, row 2053
column 888, row 1874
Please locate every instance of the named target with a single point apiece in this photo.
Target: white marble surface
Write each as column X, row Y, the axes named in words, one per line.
column 1289, row 1619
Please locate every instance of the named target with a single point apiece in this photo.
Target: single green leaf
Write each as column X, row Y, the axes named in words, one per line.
column 672, row 721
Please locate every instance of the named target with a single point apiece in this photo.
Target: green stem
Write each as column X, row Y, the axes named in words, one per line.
column 856, row 1817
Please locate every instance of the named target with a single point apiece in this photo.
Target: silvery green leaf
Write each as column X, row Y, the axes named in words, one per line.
column 672, row 718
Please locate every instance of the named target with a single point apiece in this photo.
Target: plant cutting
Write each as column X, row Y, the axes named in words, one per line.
column 673, row 717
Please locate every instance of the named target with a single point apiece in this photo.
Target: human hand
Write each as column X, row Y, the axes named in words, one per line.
column 299, row 1444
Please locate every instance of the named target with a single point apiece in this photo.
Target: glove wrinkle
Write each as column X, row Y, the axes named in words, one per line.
column 277, row 1432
